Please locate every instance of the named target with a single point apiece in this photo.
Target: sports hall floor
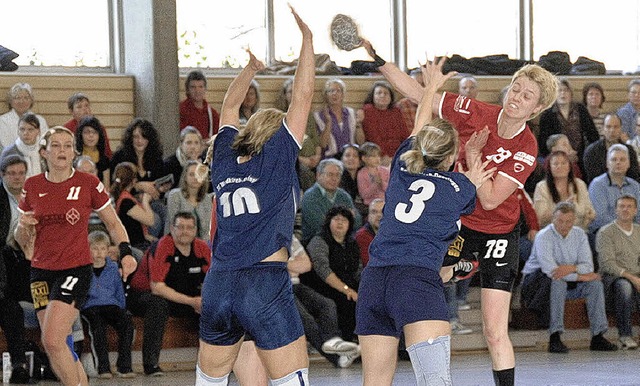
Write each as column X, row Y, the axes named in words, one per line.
column 534, row 368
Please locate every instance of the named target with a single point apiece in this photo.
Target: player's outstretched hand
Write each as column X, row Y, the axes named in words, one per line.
column 254, row 63
column 433, row 76
column 304, row 28
column 477, row 173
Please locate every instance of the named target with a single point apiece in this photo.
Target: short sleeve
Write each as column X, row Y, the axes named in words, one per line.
column 99, row 197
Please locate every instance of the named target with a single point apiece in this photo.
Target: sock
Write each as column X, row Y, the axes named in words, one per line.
column 504, row 377
column 297, row 378
column 203, row 379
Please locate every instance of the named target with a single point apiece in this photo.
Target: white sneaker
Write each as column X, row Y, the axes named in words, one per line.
column 458, row 328
column 627, row 343
column 464, row 306
column 346, row 360
column 338, row 346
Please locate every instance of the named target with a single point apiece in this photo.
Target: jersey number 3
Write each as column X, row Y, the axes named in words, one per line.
column 425, row 190
column 241, row 201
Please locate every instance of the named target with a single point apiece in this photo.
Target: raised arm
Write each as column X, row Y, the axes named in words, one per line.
column 303, row 82
column 433, row 80
column 230, row 112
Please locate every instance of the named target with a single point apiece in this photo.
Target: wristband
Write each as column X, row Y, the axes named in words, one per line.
column 125, row 249
column 378, row 61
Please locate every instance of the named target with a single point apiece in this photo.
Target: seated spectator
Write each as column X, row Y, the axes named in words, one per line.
column 570, row 118
column 251, row 102
column 105, row 306
column 365, row 235
column 323, row 195
column 141, row 146
column 176, row 267
column 629, row 112
column 135, row 215
column 26, row 145
column 190, row 149
column 195, row 111
column 80, row 107
column 468, row 87
column 561, row 185
column 560, row 142
column 84, row 163
column 561, row 252
column 310, row 152
column 382, row 123
column 20, row 100
column 595, row 156
column 593, row 98
column 350, row 157
column 339, row 119
column 337, row 266
column 635, row 141
column 373, row 178
column 90, row 141
column 191, row 196
column 318, row 313
column 529, row 228
column 408, row 107
column 618, row 245
column 605, row 189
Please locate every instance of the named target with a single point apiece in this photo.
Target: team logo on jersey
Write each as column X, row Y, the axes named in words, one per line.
column 100, row 187
column 500, row 156
column 518, row 167
column 462, row 105
column 524, row 157
column 72, row 216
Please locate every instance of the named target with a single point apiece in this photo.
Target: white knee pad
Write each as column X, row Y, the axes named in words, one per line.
column 203, row 379
column 430, row 360
column 297, row 378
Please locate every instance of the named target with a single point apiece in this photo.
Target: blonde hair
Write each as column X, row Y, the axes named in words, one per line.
column 202, row 170
column 96, row 237
column 433, row 144
column 259, row 129
column 547, row 82
column 184, row 189
column 46, row 139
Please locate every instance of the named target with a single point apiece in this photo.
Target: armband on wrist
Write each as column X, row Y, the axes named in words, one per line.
column 125, row 249
column 378, row 61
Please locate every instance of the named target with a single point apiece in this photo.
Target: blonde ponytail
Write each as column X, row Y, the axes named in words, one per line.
column 202, row 170
column 433, row 144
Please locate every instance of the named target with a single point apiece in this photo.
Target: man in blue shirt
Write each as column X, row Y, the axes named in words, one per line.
column 561, row 251
column 629, row 112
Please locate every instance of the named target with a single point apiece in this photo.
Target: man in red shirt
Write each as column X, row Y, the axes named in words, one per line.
column 195, row 111
column 365, row 235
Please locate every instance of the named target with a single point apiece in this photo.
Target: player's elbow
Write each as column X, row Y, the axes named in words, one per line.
column 489, row 204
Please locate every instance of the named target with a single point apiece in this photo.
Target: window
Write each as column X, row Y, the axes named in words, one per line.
column 57, row 33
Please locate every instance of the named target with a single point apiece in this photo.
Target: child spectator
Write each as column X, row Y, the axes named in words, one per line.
column 106, row 306
column 373, row 178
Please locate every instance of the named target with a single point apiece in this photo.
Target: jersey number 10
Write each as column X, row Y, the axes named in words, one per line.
column 242, row 200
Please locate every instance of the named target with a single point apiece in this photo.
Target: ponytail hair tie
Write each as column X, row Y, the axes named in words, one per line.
column 118, row 180
column 424, row 152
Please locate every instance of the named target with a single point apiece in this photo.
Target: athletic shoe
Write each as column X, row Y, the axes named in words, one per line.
column 464, row 306
column 19, row 375
column 627, row 343
column 464, row 269
column 105, row 376
column 154, row 372
column 458, row 328
column 125, row 374
column 338, row 346
column 555, row 344
column 600, row 343
column 346, row 360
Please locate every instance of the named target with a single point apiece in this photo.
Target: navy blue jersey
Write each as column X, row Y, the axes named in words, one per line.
column 256, row 200
column 421, row 215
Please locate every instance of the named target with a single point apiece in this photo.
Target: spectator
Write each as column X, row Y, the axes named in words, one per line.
column 323, row 195
column 84, row 163
column 560, row 142
column 350, row 157
column 251, row 102
column 468, row 87
column 26, row 145
column 595, row 156
column 365, row 235
column 373, row 178
column 191, row 196
column 605, row 189
column 561, row 252
column 337, row 266
column 310, row 152
column 593, row 98
column 382, row 123
column 176, row 266
column 319, row 315
column 105, row 306
column 335, row 116
column 635, row 141
column 195, row 111
column 629, row 112
column 567, row 117
column 529, row 228
column 618, row 246
column 135, row 215
column 408, row 107
column 90, row 141
column 561, row 185
column 20, row 99
column 80, row 107
column 190, row 149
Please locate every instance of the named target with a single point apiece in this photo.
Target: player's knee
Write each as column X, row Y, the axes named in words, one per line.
column 203, row 379
column 297, row 378
column 431, row 360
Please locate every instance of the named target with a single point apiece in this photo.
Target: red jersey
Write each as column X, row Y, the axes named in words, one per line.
column 62, row 210
column 206, row 119
column 514, row 157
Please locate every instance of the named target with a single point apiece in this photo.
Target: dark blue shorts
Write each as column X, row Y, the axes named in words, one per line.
column 391, row 297
column 257, row 300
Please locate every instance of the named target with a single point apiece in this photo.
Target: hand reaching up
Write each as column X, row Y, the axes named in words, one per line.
column 254, row 63
column 433, row 76
column 304, row 28
column 477, row 172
